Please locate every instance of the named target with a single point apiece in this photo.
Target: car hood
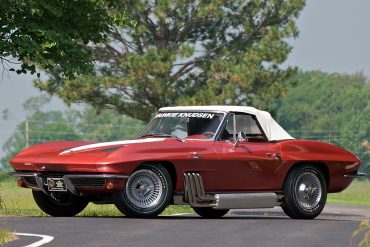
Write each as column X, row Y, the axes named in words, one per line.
column 107, row 146
column 69, row 155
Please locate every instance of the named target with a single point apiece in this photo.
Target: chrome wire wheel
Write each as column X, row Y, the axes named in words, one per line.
column 144, row 189
column 304, row 192
column 308, row 190
column 147, row 193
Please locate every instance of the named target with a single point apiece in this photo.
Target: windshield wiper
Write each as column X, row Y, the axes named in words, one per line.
column 157, row 134
column 163, row 135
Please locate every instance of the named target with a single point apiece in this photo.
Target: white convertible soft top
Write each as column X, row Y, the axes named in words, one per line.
column 273, row 131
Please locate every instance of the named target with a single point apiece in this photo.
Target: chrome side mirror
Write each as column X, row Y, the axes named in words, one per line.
column 240, row 137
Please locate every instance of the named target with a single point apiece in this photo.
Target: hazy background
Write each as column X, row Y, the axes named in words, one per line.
column 334, row 37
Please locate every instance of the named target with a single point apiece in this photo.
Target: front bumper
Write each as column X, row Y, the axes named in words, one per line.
column 75, row 183
column 356, row 175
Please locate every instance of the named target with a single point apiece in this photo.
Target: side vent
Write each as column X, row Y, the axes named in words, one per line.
column 194, row 191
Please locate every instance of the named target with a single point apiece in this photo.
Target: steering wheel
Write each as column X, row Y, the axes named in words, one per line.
column 209, row 134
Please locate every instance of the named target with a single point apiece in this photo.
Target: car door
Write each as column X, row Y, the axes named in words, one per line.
column 250, row 165
column 200, row 157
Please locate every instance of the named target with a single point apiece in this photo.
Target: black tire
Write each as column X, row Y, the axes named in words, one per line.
column 305, row 192
column 147, row 192
column 210, row 213
column 60, row 206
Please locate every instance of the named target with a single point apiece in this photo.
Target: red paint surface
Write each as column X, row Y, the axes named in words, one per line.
column 247, row 167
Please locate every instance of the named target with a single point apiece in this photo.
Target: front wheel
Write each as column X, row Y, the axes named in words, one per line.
column 210, row 213
column 59, row 205
column 304, row 193
column 147, row 192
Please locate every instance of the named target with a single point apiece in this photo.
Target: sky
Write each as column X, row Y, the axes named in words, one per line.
column 334, row 37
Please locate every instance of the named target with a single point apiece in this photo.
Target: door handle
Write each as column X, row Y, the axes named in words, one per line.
column 195, row 155
column 274, row 156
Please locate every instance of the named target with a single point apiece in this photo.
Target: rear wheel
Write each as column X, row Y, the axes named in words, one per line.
column 147, row 192
column 210, row 213
column 59, row 205
column 304, row 192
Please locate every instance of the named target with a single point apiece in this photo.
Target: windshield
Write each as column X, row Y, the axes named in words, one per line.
column 193, row 125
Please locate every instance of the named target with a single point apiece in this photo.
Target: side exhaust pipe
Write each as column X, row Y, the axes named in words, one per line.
column 196, row 196
column 246, row 200
column 194, row 191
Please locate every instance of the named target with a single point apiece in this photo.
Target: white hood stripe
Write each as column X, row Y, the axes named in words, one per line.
column 107, row 144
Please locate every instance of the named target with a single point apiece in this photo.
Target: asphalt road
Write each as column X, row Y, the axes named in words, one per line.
column 242, row 228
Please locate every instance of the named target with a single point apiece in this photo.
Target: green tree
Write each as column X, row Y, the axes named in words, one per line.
column 54, row 34
column 329, row 107
column 46, row 126
column 42, row 126
column 189, row 52
column 108, row 125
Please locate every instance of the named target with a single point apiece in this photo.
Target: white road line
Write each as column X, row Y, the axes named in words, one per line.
column 44, row 239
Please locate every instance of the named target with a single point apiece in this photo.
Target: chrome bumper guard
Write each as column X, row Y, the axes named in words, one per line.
column 68, row 179
column 357, row 175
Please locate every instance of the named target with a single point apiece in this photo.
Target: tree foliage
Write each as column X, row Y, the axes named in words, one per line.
column 329, row 107
column 189, row 52
column 108, row 125
column 68, row 125
column 45, row 125
column 54, row 34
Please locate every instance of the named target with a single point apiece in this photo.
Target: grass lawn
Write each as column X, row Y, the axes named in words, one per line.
column 6, row 236
column 19, row 201
column 358, row 193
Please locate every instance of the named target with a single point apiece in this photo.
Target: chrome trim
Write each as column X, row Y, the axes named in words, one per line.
column 195, row 155
column 66, row 178
column 194, row 110
column 38, row 179
column 246, row 200
column 357, row 175
column 22, row 174
column 242, row 113
column 69, row 185
column 234, row 129
column 95, row 176
column 219, row 128
column 40, row 184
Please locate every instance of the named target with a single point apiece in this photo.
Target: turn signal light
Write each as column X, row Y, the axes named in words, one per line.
column 20, row 183
column 109, row 185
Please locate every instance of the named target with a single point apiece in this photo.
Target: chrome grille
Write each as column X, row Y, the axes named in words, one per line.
column 51, row 175
column 73, row 181
column 30, row 181
column 87, row 182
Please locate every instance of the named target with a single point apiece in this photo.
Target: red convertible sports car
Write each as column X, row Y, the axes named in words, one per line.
column 213, row 158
